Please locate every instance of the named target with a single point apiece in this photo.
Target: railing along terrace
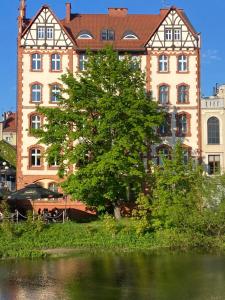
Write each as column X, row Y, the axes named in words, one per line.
column 213, row 103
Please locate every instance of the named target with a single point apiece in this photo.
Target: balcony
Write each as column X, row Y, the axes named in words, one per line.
column 213, row 103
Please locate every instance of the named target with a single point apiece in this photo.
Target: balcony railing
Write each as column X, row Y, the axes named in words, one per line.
column 212, row 103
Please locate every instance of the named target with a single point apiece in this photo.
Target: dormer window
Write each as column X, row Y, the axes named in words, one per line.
column 107, row 35
column 85, row 35
column 129, row 35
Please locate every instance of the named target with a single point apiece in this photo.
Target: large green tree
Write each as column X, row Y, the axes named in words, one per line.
column 179, row 191
column 104, row 124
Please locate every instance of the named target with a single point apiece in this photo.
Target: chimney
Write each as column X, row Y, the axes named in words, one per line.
column 118, row 12
column 68, row 12
column 22, row 9
column 22, row 15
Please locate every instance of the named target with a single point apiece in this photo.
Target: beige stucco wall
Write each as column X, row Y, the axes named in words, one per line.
column 9, row 137
column 173, row 78
column 45, row 78
column 213, row 149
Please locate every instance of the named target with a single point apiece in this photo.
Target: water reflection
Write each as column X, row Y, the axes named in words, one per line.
column 107, row 276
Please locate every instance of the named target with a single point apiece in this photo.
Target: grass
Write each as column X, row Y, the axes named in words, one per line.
column 28, row 239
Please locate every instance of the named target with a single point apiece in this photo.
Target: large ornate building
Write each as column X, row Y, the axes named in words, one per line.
column 166, row 44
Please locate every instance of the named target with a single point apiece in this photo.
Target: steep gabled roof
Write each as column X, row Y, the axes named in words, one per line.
column 144, row 27
column 28, row 23
column 165, row 12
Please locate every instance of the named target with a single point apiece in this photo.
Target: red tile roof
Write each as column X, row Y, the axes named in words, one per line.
column 144, row 26
column 10, row 123
column 141, row 25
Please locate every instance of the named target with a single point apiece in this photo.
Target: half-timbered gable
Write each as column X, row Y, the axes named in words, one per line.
column 174, row 32
column 45, row 31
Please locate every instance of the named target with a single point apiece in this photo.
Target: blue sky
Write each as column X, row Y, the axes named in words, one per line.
column 206, row 16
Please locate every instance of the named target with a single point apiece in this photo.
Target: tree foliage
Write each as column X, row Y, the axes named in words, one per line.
column 178, row 191
column 186, row 205
column 104, row 123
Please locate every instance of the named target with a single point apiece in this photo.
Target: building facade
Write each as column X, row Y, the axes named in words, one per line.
column 8, row 128
column 213, row 132
column 166, row 44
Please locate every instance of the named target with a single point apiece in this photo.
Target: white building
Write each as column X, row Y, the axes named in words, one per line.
column 213, row 132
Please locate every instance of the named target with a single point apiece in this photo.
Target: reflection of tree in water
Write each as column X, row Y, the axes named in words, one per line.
column 151, row 277
column 115, row 276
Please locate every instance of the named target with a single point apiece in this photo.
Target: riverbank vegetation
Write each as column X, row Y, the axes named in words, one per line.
column 32, row 239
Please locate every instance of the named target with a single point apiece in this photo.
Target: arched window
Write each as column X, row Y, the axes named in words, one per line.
column 163, row 63
column 53, row 186
column 186, row 153
column 164, row 94
column 182, row 124
column 55, row 92
column 35, row 157
column 84, row 35
column 55, row 62
column 165, row 127
column 213, row 128
column 182, row 63
column 129, row 35
column 183, row 94
column 107, row 35
column 36, row 60
column 36, row 92
column 35, row 121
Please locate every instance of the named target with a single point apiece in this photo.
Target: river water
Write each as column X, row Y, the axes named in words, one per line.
column 114, row 277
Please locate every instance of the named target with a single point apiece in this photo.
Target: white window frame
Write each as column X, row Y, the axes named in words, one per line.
column 183, row 124
column 36, row 90
column 163, row 94
column 35, row 122
column 55, row 91
column 36, row 155
column 130, row 36
column 177, row 34
column 36, row 62
column 168, row 34
column 182, row 63
column 55, row 62
column 82, row 60
column 163, row 63
column 85, row 36
column 49, row 33
column 41, row 32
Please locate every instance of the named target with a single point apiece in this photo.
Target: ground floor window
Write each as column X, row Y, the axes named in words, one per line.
column 213, row 164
